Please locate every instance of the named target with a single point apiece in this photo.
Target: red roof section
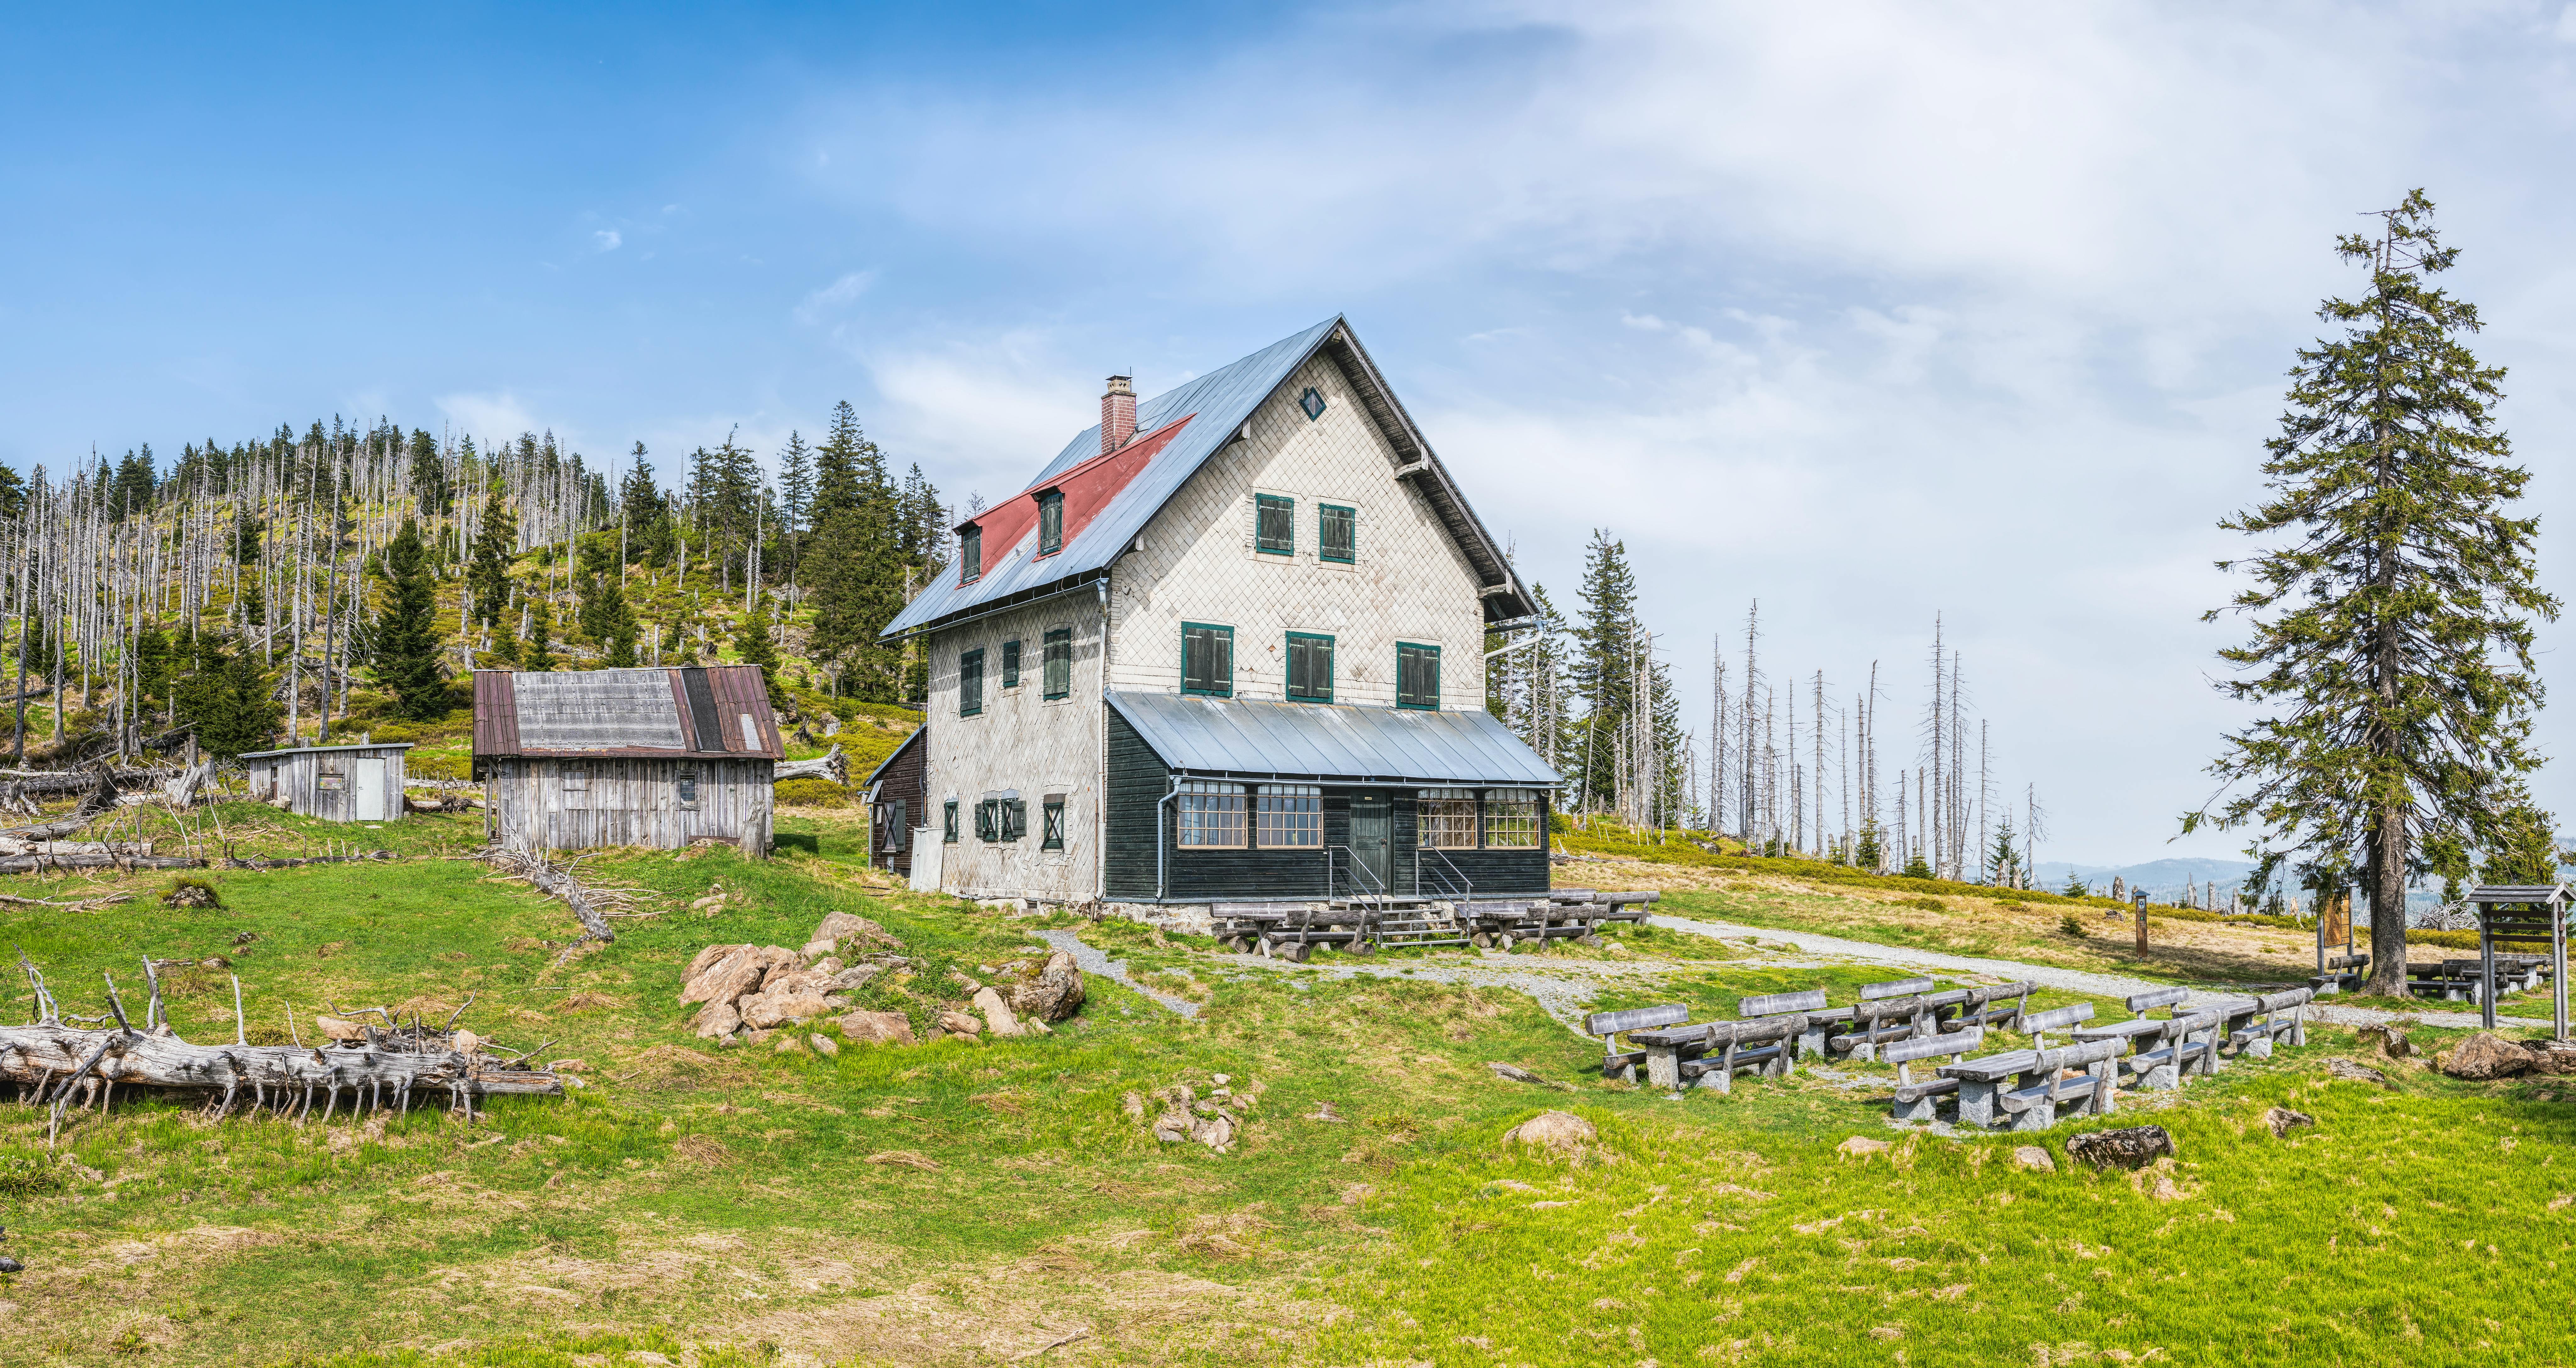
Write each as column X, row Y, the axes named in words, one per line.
column 1088, row 489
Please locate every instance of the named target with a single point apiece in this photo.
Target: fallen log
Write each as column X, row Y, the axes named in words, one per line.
column 37, row 864
column 834, row 766
column 300, row 861
column 53, row 1057
column 555, row 881
column 102, row 797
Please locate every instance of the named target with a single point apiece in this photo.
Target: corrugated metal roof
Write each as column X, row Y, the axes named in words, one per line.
column 1216, row 405
column 634, row 713
column 1331, row 741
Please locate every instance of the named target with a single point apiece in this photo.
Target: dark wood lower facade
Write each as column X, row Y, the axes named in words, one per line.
column 898, row 795
column 1144, row 861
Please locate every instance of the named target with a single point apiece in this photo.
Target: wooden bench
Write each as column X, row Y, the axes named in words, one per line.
column 2029, row 1087
column 1922, row 1101
column 1808, row 1006
column 2037, row 1025
column 1895, row 1010
column 1610, row 1025
column 2250, row 1026
column 1988, row 1005
column 1711, row 1054
column 2161, row 1047
column 2342, row 974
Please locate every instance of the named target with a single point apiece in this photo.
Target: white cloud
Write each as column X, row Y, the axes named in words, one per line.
column 489, row 418
column 607, row 239
column 832, row 298
column 991, row 411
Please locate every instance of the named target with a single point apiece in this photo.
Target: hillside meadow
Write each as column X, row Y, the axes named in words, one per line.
column 1000, row 1201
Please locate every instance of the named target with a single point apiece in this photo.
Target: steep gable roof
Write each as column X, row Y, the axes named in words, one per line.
column 1109, row 498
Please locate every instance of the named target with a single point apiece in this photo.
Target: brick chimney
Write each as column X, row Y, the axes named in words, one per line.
column 1117, row 414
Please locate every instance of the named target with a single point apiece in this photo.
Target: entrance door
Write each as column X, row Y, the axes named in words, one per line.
column 367, row 790
column 1372, row 836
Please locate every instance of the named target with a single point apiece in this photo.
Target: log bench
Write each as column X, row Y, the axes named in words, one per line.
column 1710, row 1054
column 1619, row 1064
column 2343, row 973
column 1896, row 1010
column 2037, row 1025
column 1814, row 1019
column 2027, row 1088
column 2250, row 1026
column 1986, row 1006
column 1922, row 1101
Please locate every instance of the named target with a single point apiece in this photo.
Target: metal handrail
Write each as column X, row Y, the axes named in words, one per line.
column 1454, row 885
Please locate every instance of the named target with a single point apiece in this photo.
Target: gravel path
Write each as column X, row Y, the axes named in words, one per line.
column 1091, row 961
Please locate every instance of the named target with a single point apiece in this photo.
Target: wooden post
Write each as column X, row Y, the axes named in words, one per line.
column 2558, row 961
column 2142, row 923
column 2486, row 963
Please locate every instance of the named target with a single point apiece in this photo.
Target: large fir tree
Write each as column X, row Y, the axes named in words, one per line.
column 1604, row 667
column 406, row 636
column 226, row 702
column 2392, row 617
column 488, row 577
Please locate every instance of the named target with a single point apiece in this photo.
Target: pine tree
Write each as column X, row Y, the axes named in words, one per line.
column 752, row 642
column 1604, row 666
column 245, row 538
column 428, row 476
column 795, row 495
column 488, row 577
column 2523, row 849
column 406, row 636
column 2004, row 861
column 2392, row 633
column 1916, row 867
column 538, row 656
column 1868, row 854
column 226, row 702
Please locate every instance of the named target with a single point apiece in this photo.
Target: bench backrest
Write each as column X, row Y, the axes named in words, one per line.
column 1636, row 1019
column 1871, row 992
column 1925, row 1047
column 2162, row 997
column 2016, row 989
column 1621, row 899
column 2086, row 1052
column 2348, row 962
column 2057, row 1018
column 2278, row 1002
column 1772, row 1004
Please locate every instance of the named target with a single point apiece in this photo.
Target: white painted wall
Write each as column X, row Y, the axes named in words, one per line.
column 1019, row 741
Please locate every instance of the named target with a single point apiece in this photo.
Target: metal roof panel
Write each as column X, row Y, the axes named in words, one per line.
column 1331, row 741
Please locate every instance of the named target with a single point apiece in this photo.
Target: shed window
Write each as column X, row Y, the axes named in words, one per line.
column 948, row 822
column 1050, row 522
column 1010, row 664
column 1211, row 816
column 1337, row 533
column 688, row 788
column 970, row 682
column 575, row 786
column 1512, row 819
column 1058, row 680
column 970, row 555
column 1051, row 823
column 1310, row 667
column 1289, row 816
column 1449, row 819
column 1274, row 525
column 1417, row 675
column 1207, row 660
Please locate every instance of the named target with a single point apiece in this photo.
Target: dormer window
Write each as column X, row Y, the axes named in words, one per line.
column 1050, row 522
column 970, row 555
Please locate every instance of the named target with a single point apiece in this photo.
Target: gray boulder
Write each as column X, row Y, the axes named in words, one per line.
column 2130, row 1147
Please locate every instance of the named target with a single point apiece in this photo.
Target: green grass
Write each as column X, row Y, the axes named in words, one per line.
column 723, row 1202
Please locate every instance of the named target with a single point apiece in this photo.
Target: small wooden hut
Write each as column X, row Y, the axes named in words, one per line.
column 898, row 803
column 360, row 783
column 656, row 757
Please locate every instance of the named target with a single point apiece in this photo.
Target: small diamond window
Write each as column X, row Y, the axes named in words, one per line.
column 1312, row 403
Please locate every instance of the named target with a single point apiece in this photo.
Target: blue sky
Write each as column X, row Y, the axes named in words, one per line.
column 1869, row 311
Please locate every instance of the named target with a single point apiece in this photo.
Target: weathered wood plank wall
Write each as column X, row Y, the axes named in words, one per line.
column 557, row 804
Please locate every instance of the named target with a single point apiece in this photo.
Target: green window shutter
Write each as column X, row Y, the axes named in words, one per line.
column 1015, row 814
column 1337, row 533
column 1417, row 676
column 970, row 683
column 1310, row 667
column 1207, row 660
column 1059, row 663
column 970, row 555
column 1050, row 523
column 1010, row 664
column 1274, row 525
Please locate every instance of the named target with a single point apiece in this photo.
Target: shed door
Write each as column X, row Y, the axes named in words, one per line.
column 367, row 789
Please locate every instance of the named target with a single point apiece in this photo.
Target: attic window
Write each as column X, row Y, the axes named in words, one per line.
column 1050, row 522
column 1312, row 402
column 970, row 555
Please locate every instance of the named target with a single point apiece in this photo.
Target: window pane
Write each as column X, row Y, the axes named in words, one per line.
column 1050, row 524
column 1337, row 533
column 970, row 554
column 1010, row 664
column 948, row 822
column 1511, row 819
column 1051, row 835
column 1276, row 524
column 1449, row 819
column 1291, row 816
column 1211, row 816
column 1059, row 662
column 970, row 683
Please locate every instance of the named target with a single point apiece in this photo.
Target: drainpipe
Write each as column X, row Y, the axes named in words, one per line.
column 1100, row 786
column 1162, row 846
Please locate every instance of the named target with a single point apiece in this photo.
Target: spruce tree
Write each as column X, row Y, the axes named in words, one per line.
column 2392, row 621
column 2522, row 848
column 428, row 475
column 226, row 702
column 488, row 575
column 538, row 656
column 795, row 495
column 245, row 538
column 1604, row 671
column 406, row 636
column 752, row 642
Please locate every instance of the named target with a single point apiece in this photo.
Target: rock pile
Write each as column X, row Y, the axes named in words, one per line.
column 754, row 988
column 1032, row 992
column 2483, row 1056
column 1213, row 1120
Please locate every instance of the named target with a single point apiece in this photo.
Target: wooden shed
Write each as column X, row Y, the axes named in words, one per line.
column 898, row 802
column 360, row 783
column 659, row 757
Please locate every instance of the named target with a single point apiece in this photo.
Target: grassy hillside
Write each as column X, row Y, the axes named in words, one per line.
column 966, row 1203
